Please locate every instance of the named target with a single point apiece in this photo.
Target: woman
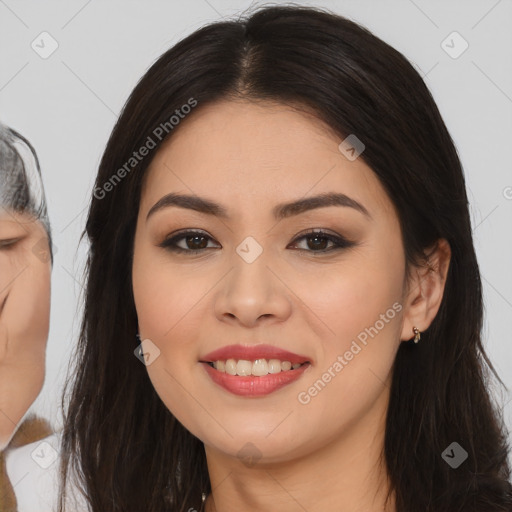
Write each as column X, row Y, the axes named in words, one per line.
column 283, row 227
column 25, row 268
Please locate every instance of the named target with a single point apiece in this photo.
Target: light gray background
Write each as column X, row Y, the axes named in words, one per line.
column 67, row 104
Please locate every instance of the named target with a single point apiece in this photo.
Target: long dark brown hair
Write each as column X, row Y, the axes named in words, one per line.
column 125, row 447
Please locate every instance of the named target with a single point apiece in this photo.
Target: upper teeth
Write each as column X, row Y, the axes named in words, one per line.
column 258, row 368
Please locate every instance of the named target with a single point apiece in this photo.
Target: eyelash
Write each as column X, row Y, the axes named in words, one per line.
column 339, row 242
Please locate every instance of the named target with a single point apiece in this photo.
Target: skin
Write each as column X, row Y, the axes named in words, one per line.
column 24, row 315
column 250, row 157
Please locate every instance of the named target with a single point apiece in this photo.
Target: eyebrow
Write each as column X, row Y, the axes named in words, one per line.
column 281, row 211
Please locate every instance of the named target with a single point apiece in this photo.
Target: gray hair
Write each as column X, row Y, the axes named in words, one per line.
column 21, row 185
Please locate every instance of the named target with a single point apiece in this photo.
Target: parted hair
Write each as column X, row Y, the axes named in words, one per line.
column 127, row 449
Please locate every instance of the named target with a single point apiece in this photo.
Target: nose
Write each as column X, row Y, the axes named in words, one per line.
column 251, row 291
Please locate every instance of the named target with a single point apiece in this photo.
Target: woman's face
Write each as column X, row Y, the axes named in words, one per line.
column 25, row 269
column 258, row 280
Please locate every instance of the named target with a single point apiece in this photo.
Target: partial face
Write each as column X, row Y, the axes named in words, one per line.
column 261, row 290
column 25, row 270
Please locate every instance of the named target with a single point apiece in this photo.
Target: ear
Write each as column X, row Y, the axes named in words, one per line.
column 425, row 288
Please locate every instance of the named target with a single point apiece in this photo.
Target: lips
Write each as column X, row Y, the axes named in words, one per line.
column 252, row 353
column 254, row 386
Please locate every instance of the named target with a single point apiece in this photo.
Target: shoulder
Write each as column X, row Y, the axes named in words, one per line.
column 33, row 470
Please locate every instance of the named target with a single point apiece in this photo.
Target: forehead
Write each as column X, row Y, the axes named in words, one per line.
column 245, row 153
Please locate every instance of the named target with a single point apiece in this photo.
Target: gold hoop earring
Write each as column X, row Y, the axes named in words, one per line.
column 417, row 334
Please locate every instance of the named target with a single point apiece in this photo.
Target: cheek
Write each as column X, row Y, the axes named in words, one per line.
column 169, row 311
column 353, row 297
column 41, row 311
column 170, row 301
column 25, row 319
column 360, row 311
column 167, row 298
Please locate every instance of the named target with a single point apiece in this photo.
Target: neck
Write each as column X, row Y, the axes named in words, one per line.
column 347, row 474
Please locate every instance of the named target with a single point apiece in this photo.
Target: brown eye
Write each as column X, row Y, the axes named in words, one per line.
column 194, row 242
column 317, row 242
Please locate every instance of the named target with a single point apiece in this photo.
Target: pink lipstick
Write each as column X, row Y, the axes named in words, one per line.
column 255, row 370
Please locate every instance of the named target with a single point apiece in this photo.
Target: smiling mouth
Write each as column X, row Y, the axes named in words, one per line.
column 256, row 368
